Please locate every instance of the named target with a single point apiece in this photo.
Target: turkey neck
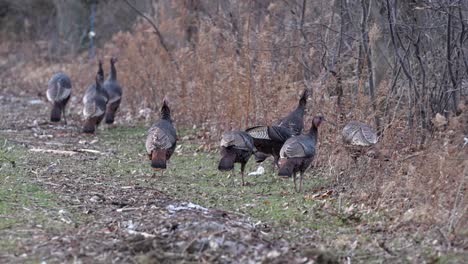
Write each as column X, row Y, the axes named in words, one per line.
column 98, row 85
column 300, row 109
column 113, row 73
column 303, row 101
column 313, row 133
column 301, row 106
column 166, row 113
column 101, row 72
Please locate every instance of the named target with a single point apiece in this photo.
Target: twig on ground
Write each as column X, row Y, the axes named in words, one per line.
column 54, row 151
column 412, row 156
column 144, row 234
column 128, row 209
column 90, row 151
column 66, row 152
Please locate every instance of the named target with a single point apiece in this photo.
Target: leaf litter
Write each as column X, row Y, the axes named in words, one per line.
column 106, row 218
column 108, row 215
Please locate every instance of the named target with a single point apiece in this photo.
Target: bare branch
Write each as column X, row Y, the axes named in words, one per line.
column 157, row 32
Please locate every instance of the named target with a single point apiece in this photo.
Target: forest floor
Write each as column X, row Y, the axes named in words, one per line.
column 67, row 197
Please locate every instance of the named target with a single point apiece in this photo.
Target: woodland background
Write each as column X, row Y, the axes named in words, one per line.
column 401, row 66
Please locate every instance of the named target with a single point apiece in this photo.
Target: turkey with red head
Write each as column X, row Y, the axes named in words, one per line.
column 236, row 147
column 58, row 93
column 95, row 101
column 162, row 138
column 114, row 90
column 298, row 152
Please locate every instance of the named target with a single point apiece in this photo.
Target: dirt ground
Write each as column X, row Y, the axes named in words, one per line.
column 97, row 217
column 73, row 198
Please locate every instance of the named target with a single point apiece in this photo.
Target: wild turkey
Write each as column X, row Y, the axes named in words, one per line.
column 359, row 139
column 291, row 125
column 58, row 93
column 161, row 140
column 268, row 141
column 294, row 121
column 298, row 152
column 114, row 90
column 236, row 147
column 94, row 101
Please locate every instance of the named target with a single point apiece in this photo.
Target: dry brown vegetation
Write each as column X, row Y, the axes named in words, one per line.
column 230, row 66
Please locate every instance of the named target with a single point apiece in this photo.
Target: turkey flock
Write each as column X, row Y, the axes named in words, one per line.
column 292, row 150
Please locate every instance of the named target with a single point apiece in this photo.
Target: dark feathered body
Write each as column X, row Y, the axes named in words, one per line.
column 236, row 147
column 231, row 155
column 291, row 166
column 294, row 121
column 260, row 156
column 114, row 90
column 95, row 103
column 161, row 140
column 268, row 141
column 267, row 148
column 58, row 93
column 297, row 153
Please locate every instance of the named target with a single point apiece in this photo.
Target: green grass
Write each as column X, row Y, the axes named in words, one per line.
column 23, row 204
column 17, row 191
column 450, row 258
column 192, row 175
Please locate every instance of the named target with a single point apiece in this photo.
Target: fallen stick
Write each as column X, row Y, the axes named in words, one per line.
column 46, row 143
column 66, row 152
column 144, row 234
column 412, row 156
column 125, row 209
column 90, row 151
column 54, row 151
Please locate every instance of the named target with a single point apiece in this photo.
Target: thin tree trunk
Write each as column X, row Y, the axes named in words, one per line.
column 306, row 68
column 453, row 93
column 367, row 52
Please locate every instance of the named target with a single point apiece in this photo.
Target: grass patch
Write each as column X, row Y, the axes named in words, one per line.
column 23, row 204
column 192, row 175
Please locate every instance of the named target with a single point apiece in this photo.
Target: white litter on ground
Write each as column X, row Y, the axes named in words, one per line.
column 260, row 170
column 185, row 206
column 35, row 102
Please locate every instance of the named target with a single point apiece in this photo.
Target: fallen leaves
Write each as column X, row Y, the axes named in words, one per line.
column 319, row 195
column 439, row 121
